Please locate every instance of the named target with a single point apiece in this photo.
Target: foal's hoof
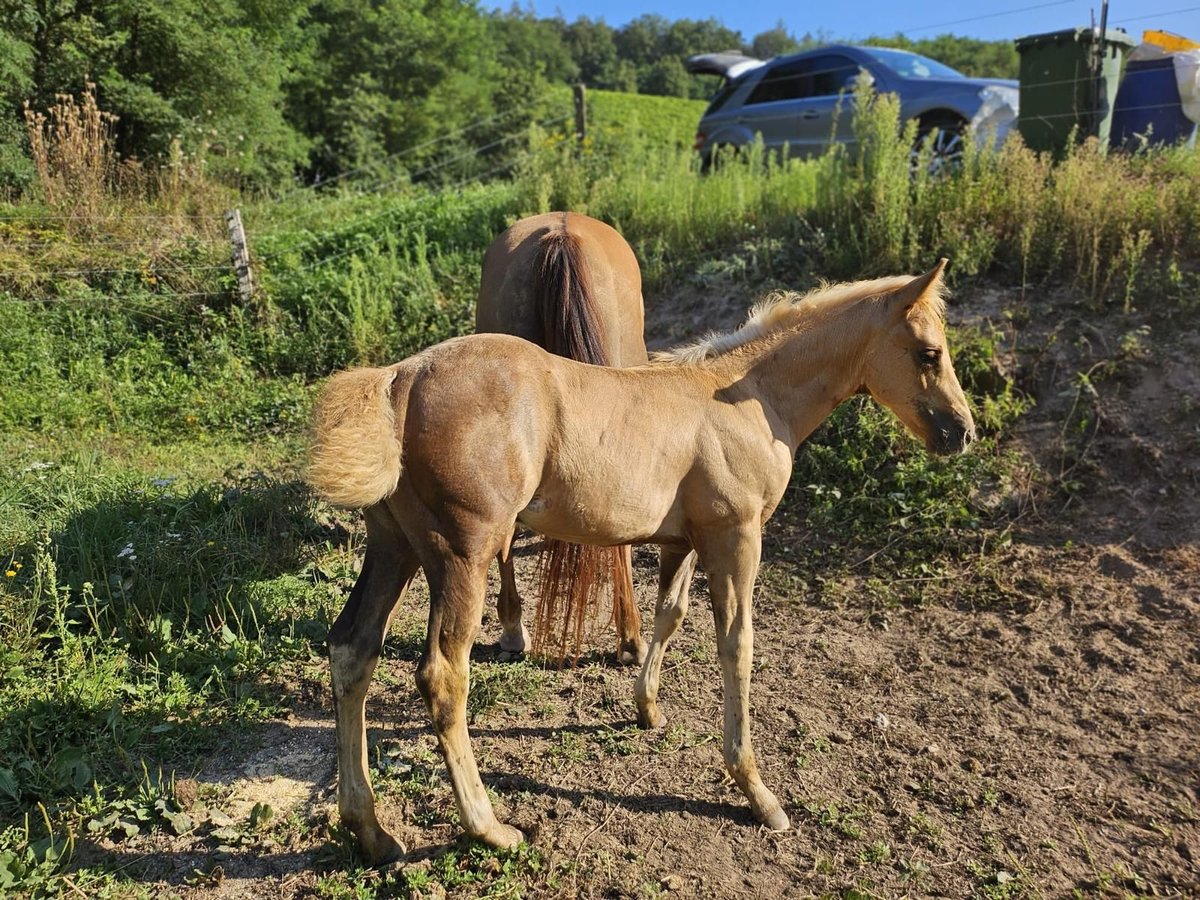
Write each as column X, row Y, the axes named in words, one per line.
column 651, row 717
column 501, row 836
column 775, row 820
column 381, row 849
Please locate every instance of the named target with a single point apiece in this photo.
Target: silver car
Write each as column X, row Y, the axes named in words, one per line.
column 803, row 102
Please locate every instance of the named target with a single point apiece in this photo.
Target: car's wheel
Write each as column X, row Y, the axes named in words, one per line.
column 941, row 140
column 719, row 156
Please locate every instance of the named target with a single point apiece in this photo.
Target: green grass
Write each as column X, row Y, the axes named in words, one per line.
column 615, row 118
column 666, row 121
column 165, row 576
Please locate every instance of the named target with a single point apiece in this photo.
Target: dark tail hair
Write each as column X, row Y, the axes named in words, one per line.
column 571, row 575
column 563, row 293
column 570, row 605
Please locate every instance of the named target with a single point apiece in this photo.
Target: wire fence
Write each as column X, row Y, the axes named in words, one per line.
column 160, row 269
column 142, row 302
column 377, row 184
column 424, row 145
column 78, row 217
column 381, row 185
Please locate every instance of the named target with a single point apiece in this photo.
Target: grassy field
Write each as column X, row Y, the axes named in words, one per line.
column 168, row 581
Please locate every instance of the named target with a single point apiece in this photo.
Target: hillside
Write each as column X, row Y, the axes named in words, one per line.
column 973, row 677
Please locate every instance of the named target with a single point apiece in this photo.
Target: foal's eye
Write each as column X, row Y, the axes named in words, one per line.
column 930, row 356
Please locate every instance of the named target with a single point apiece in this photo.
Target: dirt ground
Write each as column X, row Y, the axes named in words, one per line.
column 1030, row 728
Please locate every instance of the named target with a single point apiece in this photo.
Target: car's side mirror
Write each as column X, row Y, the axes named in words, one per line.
column 865, row 77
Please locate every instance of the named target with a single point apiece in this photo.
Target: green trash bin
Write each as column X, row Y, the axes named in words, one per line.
column 1069, row 81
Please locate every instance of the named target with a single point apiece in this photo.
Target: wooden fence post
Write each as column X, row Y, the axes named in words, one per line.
column 580, row 112
column 241, row 255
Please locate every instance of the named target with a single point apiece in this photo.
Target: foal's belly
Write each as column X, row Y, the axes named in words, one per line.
column 610, row 520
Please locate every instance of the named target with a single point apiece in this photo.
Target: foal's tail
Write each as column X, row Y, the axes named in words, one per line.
column 562, row 288
column 354, row 460
column 571, row 575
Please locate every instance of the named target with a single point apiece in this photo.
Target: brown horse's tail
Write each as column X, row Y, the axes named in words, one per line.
column 563, row 293
column 571, row 575
column 354, row 459
column 570, row 603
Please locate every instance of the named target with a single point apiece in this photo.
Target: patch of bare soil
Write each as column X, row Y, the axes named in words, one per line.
column 1031, row 728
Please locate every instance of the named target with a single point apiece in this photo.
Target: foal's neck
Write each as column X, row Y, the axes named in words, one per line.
column 803, row 372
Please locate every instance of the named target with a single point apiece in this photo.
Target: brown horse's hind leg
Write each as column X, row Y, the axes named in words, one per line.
column 514, row 638
column 457, row 587
column 355, row 642
column 675, row 568
column 631, row 649
column 731, row 562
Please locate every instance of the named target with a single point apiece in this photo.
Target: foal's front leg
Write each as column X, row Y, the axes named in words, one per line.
column 675, row 570
column 731, row 561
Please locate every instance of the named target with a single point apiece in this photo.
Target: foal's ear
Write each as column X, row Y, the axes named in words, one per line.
column 923, row 287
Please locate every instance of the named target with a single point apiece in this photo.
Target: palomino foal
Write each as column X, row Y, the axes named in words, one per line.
column 571, row 284
column 450, row 448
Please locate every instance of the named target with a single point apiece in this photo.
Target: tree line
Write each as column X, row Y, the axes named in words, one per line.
column 267, row 91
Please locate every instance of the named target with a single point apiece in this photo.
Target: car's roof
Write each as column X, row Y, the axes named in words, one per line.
column 731, row 64
column 734, row 65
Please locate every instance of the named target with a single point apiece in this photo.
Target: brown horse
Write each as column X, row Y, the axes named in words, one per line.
column 571, row 284
column 448, row 450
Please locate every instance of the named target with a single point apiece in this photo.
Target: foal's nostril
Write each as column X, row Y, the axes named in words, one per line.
column 951, row 434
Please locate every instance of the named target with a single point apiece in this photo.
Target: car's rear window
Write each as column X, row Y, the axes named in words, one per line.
column 721, row 97
column 912, row 65
column 824, row 75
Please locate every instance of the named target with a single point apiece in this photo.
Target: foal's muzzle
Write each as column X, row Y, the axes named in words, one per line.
column 949, row 433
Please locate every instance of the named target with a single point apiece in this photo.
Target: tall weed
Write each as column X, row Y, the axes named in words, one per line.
column 92, row 192
column 74, row 152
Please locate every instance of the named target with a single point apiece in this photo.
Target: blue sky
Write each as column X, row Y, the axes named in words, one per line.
column 1004, row 19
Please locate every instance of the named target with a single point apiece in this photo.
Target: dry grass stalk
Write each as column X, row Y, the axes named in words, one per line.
column 81, row 177
column 74, row 152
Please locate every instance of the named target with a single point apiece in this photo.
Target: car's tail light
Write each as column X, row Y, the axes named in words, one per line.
column 699, row 140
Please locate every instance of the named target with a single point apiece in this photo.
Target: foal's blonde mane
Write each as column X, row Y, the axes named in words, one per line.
column 780, row 311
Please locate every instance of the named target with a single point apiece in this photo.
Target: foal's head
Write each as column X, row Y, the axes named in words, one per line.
column 908, row 366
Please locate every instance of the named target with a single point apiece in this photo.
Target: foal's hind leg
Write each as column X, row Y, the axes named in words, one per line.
column 457, row 587
column 675, row 568
column 514, row 638
column 355, row 642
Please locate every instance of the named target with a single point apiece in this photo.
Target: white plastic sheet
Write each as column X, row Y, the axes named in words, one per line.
column 997, row 116
column 1187, row 76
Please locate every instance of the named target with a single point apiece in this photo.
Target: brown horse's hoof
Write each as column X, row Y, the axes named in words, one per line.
column 632, row 654
column 515, row 641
